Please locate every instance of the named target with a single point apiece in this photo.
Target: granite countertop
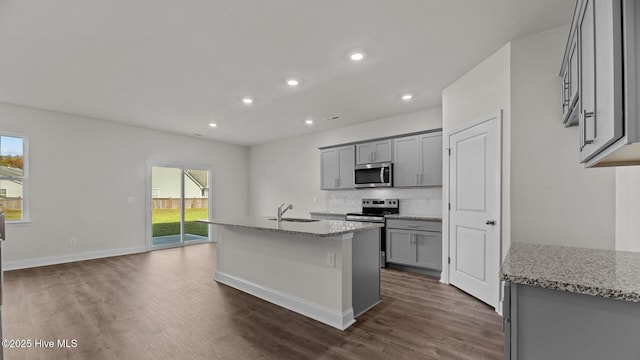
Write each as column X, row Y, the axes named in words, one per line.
column 394, row 216
column 414, row 217
column 606, row 273
column 329, row 212
column 320, row 228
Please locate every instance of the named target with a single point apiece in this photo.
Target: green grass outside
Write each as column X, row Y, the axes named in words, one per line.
column 167, row 222
column 12, row 214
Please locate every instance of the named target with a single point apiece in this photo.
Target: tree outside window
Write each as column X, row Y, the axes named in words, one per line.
column 13, row 176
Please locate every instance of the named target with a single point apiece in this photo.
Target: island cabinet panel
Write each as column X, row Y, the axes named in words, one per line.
column 336, row 168
column 374, row 152
column 552, row 324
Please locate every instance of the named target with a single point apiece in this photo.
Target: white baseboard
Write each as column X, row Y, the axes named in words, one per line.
column 443, row 278
column 317, row 312
column 54, row 260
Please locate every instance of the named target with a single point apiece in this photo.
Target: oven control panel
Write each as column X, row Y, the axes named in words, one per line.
column 380, row 203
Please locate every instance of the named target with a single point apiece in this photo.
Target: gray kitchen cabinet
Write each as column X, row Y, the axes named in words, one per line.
column 398, row 246
column 417, row 160
column 336, row 168
column 374, row 152
column 570, row 82
column 604, row 34
column 600, row 118
column 541, row 323
column 414, row 243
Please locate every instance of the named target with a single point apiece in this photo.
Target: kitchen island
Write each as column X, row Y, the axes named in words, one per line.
column 571, row 303
column 324, row 269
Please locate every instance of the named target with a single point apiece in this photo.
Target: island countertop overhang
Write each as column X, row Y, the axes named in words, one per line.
column 320, row 228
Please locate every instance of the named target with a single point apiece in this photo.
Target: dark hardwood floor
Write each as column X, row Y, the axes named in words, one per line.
column 165, row 305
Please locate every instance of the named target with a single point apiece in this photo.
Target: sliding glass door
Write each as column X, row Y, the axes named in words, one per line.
column 179, row 196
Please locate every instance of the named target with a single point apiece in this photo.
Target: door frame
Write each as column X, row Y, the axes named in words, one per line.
column 446, row 253
column 149, row 201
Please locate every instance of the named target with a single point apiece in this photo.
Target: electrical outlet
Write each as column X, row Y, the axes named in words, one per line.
column 331, row 260
column 73, row 241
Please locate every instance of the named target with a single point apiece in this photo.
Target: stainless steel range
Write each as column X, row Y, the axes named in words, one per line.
column 374, row 210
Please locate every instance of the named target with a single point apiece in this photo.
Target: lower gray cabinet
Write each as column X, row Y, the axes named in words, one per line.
column 412, row 247
column 542, row 323
column 428, row 249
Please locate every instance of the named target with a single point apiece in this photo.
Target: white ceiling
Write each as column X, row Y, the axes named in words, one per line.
column 179, row 65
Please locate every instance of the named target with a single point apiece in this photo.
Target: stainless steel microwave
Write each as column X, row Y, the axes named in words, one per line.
column 373, row 175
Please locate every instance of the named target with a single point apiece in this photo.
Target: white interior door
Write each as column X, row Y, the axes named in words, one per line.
column 474, row 216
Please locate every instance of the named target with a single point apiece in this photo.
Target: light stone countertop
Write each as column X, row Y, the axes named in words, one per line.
column 414, row 217
column 394, row 216
column 329, row 212
column 320, row 228
column 605, row 273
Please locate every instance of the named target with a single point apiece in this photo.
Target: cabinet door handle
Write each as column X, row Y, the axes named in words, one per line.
column 417, row 179
column 581, row 132
column 589, row 115
column 412, row 226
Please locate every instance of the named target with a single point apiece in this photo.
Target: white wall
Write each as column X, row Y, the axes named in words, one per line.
column 628, row 208
column 289, row 170
column 482, row 91
column 548, row 197
column 82, row 173
column 554, row 199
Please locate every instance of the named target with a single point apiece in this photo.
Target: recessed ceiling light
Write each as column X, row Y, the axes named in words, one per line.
column 308, row 122
column 247, row 100
column 293, row 82
column 356, row 56
column 213, row 124
column 407, row 97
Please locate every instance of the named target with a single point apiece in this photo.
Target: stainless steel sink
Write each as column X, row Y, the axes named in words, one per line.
column 297, row 220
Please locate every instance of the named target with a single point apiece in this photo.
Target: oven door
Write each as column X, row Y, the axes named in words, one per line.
column 373, row 175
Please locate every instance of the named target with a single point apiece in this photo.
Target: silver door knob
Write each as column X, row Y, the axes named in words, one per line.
column 491, row 222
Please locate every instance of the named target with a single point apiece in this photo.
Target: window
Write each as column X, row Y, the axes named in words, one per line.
column 13, row 177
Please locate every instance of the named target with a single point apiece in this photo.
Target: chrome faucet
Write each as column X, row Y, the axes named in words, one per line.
column 281, row 211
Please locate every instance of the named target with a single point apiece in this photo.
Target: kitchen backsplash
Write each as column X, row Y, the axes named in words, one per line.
column 422, row 201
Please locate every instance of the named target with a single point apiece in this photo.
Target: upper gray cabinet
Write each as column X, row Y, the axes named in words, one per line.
column 570, row 84
column 417, row 160
column 604, row 36
column 336, row 168
column 374, row 152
